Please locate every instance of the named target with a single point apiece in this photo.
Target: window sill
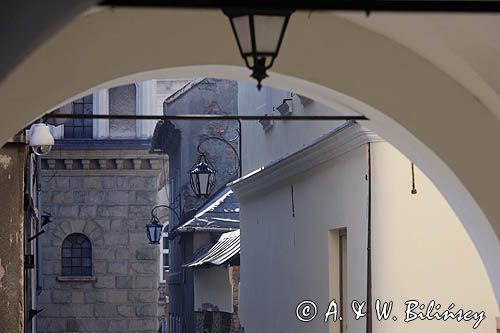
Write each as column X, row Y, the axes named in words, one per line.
column 76, row 278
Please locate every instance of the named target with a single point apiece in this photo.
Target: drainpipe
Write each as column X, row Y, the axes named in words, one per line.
column 39, row 285
column 239, row 148
column 369, row 249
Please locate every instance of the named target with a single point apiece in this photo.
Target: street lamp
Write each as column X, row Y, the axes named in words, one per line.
column 202, row 177
column 155, row 228
column 202, row 174
column 259, row 33
column 153, row 231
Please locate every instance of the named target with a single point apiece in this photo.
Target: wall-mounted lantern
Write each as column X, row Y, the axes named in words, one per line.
column 259, row 33
column 202, row 177
column 154, row 230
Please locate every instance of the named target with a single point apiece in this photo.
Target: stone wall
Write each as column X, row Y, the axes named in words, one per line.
column 107, row 196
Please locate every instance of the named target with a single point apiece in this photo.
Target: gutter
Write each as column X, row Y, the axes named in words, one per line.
column 369, row 313
column 202, row 229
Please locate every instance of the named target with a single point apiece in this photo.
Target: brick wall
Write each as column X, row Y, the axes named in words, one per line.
column 110, row 203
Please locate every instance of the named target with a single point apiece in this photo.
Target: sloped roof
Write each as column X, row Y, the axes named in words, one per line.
column 221, row 213
column 225, row 250
column 185, row 88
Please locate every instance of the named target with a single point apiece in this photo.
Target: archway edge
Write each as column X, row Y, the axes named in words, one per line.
column 409, row 101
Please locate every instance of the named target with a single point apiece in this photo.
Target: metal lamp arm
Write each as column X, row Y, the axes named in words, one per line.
column 153, row 214
column 227, row 142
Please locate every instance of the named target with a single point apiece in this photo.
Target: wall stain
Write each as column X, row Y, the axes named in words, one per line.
column 2, row 273
column 5, row 161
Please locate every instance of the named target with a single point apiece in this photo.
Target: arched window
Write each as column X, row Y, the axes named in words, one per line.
column 76, row 256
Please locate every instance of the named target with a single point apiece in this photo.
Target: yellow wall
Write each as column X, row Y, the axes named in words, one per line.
column 421, row 250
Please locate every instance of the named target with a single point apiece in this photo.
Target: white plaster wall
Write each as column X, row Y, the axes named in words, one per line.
column 420, row 250
column 290, row 263
column 285, row 137
column 213, row 286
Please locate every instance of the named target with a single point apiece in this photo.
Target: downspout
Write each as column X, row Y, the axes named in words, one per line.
column 39, row 285
column 38, row 253
column 369, row 249
column 239, row 149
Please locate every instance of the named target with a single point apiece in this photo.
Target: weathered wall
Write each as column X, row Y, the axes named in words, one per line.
column 108, row 196
column 205, row 96
column 213, row 289
column 122, row 101
column 217, row 320
column 202, row 96
column 12, row 164
column 235, row 279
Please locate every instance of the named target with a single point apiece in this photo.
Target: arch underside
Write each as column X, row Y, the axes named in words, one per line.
column 449, row 130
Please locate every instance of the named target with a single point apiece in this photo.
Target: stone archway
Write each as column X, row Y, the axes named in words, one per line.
column 414, row 104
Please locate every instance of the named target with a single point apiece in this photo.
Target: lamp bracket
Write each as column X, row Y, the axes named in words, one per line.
column 35, row 236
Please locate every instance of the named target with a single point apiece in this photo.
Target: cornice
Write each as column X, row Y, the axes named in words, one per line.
column 102, row 162
column 100, row 173
column 102, row 154
column 326, row 148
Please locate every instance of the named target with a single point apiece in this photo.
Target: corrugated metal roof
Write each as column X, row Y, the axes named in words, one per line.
column 226, row 248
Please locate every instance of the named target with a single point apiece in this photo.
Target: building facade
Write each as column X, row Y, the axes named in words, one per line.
column 183, row 141
column 100, row 183
column 99, row 272
column 319, row 198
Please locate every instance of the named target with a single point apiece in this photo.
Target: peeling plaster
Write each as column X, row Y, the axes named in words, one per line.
column 2, row 273
column 5, row 161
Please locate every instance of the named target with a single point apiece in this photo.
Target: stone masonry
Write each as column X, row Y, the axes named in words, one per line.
column 107, row 196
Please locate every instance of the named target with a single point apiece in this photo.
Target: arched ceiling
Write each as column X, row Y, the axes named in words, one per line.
column 465, row 46
column 427, row 82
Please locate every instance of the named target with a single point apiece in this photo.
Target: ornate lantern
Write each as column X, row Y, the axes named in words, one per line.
column 154, row 230
column 202, row 177
column 259, row 34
